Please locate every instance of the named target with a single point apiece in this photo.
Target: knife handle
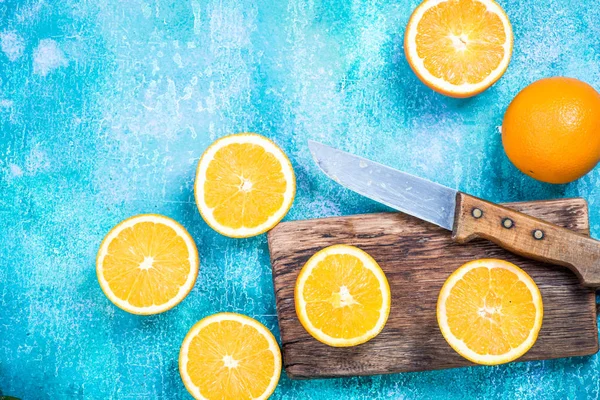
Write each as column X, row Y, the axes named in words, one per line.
column 527, row 236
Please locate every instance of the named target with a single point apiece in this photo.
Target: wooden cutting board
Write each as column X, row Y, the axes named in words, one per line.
column 417, row 257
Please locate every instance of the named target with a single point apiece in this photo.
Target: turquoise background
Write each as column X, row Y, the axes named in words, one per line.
column 106, row 106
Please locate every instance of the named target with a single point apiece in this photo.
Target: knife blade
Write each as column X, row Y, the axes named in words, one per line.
column 468, row 217
column 410, row 194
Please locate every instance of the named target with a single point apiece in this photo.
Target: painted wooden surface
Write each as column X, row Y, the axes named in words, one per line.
column 417, row 257
column 106, row 106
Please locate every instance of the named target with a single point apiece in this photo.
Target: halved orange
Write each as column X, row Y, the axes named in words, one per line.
column 147, row 264
column 458, row 47
column 490, row 311
column 244, row 185
column 229, row 356
column 342, row 296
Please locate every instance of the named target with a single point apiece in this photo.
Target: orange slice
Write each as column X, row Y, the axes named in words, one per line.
column 342, row 296
column 147, row 264
column 244, row 185
column 490, row 311
column 230, row 356
column 458, row 47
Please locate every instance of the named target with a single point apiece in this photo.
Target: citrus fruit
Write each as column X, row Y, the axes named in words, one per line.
column 551, row 129
column 229, row 356
column 342, row 296
column 244, row 185
column 147, row 264
column 458, row 47
column 490, row 311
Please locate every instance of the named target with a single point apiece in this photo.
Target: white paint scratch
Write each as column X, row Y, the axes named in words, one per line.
column 12, row 45
column 15, row 170
column 36, row 161
column 197, row 14
column 4, row 103
column 322, row 207
column 48, row 57
column 28, row 13
column 177, row 60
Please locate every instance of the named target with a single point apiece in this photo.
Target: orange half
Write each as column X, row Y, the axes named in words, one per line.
column 458, row 47
column 229, row 356
column 244, row 185
column 490, row 311
column 147, row 264
column 342, row 296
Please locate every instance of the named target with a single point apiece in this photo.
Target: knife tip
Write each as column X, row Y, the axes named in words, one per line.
column 317, row 152
column 313, row 148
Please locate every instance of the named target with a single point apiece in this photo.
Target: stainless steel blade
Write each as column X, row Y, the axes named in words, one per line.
column 412, row 195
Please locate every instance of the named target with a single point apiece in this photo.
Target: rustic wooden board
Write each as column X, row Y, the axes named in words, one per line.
column 417, row 257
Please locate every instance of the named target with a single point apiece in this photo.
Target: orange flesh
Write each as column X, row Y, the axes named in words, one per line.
column 491, row 311
column 342, row 297
column 244, row 185
column 460, row 41
column 146, row 264
column 230, row 360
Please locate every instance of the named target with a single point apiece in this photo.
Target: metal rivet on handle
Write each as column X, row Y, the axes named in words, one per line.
column 477, row 213
column 538, row 234
column 508, row 223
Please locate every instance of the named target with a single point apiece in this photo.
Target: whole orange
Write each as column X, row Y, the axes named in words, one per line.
column 551, row 129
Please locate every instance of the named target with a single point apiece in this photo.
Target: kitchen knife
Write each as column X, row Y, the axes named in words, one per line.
column 468, row 217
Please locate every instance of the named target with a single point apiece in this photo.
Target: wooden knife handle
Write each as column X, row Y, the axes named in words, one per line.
column 527, row 236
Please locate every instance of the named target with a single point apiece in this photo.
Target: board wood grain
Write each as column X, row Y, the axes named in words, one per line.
column 417, row 257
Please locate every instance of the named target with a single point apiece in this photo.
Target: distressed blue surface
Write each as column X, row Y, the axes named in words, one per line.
column 106, row 106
